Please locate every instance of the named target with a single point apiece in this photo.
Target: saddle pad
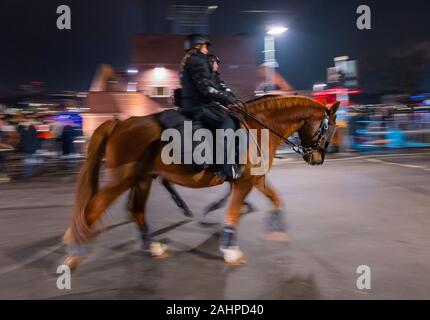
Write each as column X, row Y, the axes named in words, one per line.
column 172, row 119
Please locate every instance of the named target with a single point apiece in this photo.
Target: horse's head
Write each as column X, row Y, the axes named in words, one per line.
column 316, row 134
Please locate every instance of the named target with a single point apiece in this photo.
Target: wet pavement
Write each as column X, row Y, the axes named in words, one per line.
column 355, row 210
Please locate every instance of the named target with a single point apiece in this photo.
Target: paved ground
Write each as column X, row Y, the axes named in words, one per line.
column 355, row 210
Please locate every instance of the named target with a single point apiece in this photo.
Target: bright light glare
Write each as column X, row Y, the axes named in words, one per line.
column 276, row 30
column 319, row 86
column 160, row 73
column 132, row 71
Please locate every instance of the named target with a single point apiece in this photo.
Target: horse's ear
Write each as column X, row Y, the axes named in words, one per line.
column 334, row 107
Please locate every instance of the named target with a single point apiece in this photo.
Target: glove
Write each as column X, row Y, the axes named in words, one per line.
column 231, row 99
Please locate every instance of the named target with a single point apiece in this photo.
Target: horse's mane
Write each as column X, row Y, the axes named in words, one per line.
column 280, row 102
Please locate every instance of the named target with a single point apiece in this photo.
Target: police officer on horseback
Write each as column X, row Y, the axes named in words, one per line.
column 204, row 96
column 214, row 63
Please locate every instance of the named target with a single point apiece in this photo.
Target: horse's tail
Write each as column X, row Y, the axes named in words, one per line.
column 88, row 180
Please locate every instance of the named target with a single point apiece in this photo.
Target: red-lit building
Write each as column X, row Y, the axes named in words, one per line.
column 331, row 96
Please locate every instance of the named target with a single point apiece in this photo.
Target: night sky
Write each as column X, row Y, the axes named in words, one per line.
column 32, row 48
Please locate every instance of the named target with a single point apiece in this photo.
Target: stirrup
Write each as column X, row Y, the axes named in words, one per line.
column 236, row 173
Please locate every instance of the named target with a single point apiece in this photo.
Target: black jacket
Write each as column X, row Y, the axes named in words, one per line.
column 199, row 86
column 221, row 84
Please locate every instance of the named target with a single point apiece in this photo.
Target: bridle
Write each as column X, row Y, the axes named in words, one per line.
column 324, row 133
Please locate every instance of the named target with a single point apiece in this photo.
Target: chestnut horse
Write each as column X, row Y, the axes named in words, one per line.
column 132, row 150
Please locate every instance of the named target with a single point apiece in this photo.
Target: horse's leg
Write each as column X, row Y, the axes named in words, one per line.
column 137, row 201
column 276, row 225
column 247, row 207
column 97, row 205
column 228, row 239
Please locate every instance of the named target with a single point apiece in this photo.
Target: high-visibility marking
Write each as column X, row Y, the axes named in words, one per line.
column 413, row 166
column 364, row 157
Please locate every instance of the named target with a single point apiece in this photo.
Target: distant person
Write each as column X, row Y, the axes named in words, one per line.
column 28, row 145
column 67, row 138
column 3, row 147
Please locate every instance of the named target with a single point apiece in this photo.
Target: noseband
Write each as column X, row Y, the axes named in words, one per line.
column 324, row 136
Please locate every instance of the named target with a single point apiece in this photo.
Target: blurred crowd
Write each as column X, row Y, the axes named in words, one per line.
column 388, row 126
column 378, row 127
column 28, row 140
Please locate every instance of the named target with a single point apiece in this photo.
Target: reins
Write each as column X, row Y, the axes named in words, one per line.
column 295, row 147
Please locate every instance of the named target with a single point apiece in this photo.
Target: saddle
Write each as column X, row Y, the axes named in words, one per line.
column 175, row 119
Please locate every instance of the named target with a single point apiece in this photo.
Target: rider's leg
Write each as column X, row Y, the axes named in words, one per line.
column 214, row 118
column 225, row 123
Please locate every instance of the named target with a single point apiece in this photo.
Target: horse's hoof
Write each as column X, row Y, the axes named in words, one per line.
column 277, row 236
column 233, row 256
column 72, row 262
column 238, row 262
column 159, row 250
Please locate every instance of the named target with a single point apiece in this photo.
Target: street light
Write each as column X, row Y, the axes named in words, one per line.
column 132, row 71
column 276, row 30
column 269, row 52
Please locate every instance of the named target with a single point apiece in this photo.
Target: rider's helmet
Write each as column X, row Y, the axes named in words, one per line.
column 194, row 39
